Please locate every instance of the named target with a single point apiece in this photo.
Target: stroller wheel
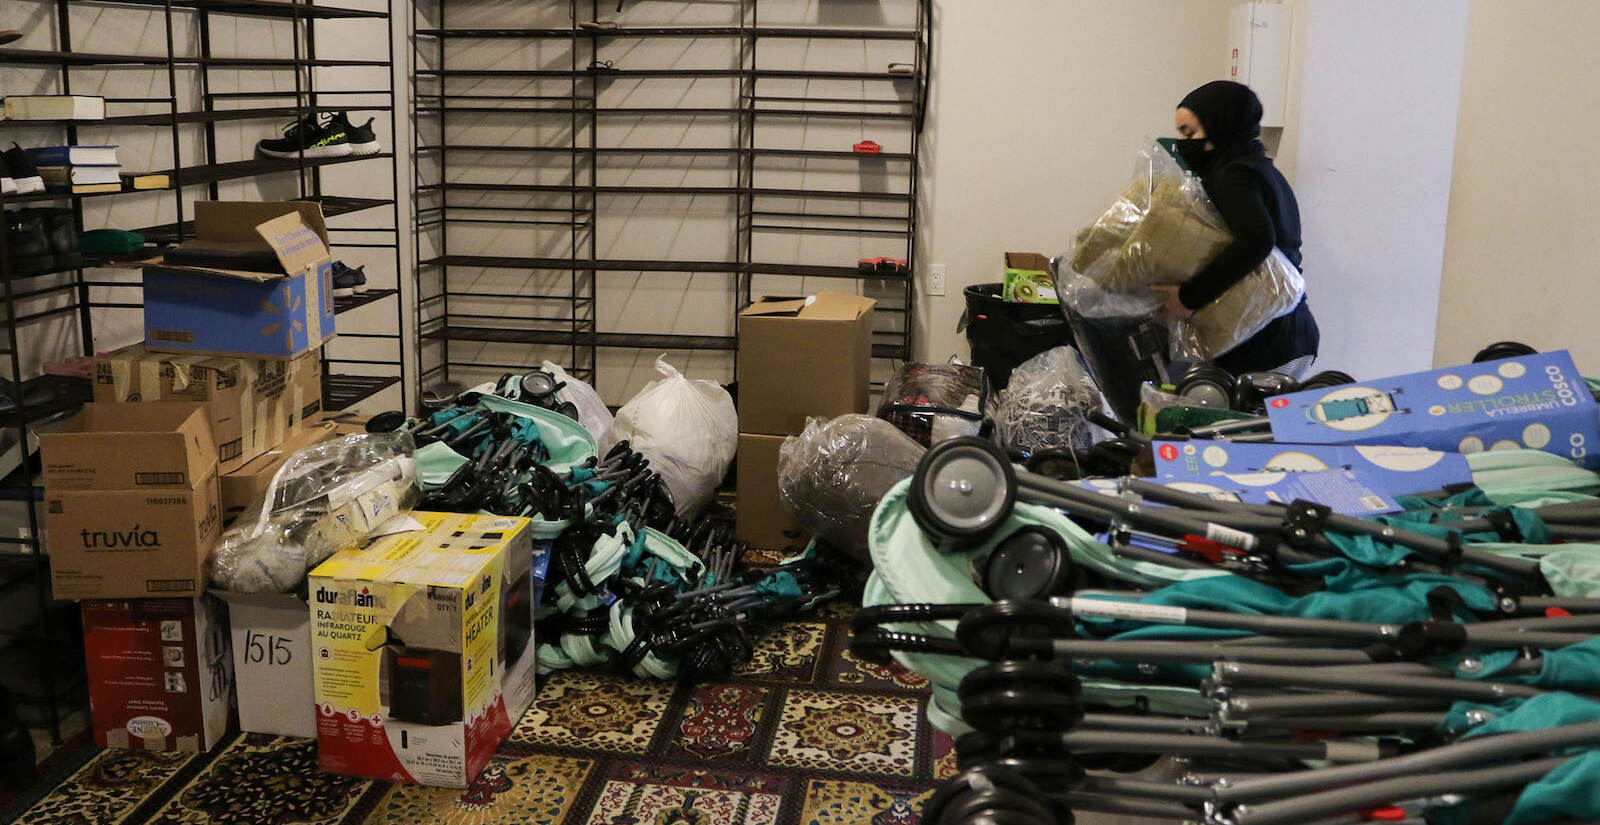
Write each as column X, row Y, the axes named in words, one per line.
column 962, row 490
column 1032, row 563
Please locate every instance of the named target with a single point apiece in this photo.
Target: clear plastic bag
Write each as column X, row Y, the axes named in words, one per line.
column 832, row 475
column 1162, row 230
column 933, row 402
column 688, row 429
column 323, row 499
column 592, row 411
column 1274, row 289
column 1047, row 404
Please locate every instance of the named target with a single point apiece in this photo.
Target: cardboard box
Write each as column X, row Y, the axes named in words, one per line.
column 1534, row 401
column 1397, row 471
column 255, row 404
column 762, row 519
column 802, row 357
column 1028, row 279
column 132, row 499
column 422, row 647
column 218, row 311
column 160, row 677
column 246, row 485
column 271, row 635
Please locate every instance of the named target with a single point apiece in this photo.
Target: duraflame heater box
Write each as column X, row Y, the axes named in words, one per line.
column 422, row 649
column 160, row 674
column 1538, row 402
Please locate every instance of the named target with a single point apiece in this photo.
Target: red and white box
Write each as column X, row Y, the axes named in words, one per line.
column 160, row 672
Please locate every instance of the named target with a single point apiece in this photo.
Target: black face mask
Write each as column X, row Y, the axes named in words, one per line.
column 1194, row 153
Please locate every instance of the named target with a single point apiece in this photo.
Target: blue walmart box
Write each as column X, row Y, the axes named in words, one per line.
column 1535, row 401
column 219, row 311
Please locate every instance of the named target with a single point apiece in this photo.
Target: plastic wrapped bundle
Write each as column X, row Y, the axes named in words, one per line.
column 832, row 475
column 325, row 498
column 1162, row 230
column 1047, row 404
column 933, row 402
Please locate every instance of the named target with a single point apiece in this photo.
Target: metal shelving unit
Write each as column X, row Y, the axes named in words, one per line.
column 33, row 296
column 439, row 101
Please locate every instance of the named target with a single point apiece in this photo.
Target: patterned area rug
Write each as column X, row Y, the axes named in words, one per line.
column 805, row 734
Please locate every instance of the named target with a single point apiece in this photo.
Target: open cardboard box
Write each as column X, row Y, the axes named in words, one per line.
column 801, row 357
column 219, row 311
column 132, row 498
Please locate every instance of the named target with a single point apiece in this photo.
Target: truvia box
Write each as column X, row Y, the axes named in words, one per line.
column 256, row 281
column 1536, row 402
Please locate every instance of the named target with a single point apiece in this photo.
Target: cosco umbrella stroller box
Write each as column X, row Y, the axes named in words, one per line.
column 422, row 649
column 256, row 282
column 1534, row 401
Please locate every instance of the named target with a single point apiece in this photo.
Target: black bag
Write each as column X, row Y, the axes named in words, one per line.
column 1002, row 334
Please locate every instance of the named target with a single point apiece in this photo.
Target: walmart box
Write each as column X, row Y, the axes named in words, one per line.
column 217, row 310
column 1535, row 401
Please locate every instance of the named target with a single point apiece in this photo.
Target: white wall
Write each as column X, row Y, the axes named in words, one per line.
column 1034, row 125
column 1522, row 251
column 1368, row 151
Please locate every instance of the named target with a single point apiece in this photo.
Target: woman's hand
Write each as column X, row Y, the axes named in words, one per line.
column 1174, row 307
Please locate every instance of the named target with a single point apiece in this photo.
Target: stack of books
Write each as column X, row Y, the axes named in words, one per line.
column 85, row 169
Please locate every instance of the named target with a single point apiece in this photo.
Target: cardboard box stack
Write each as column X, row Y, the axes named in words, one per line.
column 798, row 358
column 225, row 382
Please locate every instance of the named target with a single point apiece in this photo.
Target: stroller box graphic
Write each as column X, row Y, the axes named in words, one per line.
column 1537, row 402
column 422, row 646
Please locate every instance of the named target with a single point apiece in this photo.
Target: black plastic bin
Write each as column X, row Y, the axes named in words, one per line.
column 1003, row 334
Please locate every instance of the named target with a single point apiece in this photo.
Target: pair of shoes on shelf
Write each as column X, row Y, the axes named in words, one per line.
column 41, row 240
column 335, row 137
column 19, row 175
column 347, row 281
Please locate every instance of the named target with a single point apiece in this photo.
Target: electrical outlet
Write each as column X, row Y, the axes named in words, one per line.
column 936, row 279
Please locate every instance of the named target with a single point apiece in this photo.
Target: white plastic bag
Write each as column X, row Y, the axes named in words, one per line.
column 592, row 412
column 688, row 429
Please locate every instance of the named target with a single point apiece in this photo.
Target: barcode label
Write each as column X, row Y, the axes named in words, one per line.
column 168, row 585
column 159, row 479
column 311, row 409
column 232, row 449
column 1374, row 503
column 174, row 335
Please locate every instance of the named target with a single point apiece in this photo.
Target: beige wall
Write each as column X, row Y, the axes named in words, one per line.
column 1033, row 127
column 1522, row 250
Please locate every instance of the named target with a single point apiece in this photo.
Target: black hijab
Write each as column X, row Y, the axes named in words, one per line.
column 1229, row 111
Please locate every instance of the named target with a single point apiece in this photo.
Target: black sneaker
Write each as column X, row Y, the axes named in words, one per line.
column 347, row 281
column 27, row 250
column 363, row 138
column 309, row 139
column 24, row 172
column 61, row 235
